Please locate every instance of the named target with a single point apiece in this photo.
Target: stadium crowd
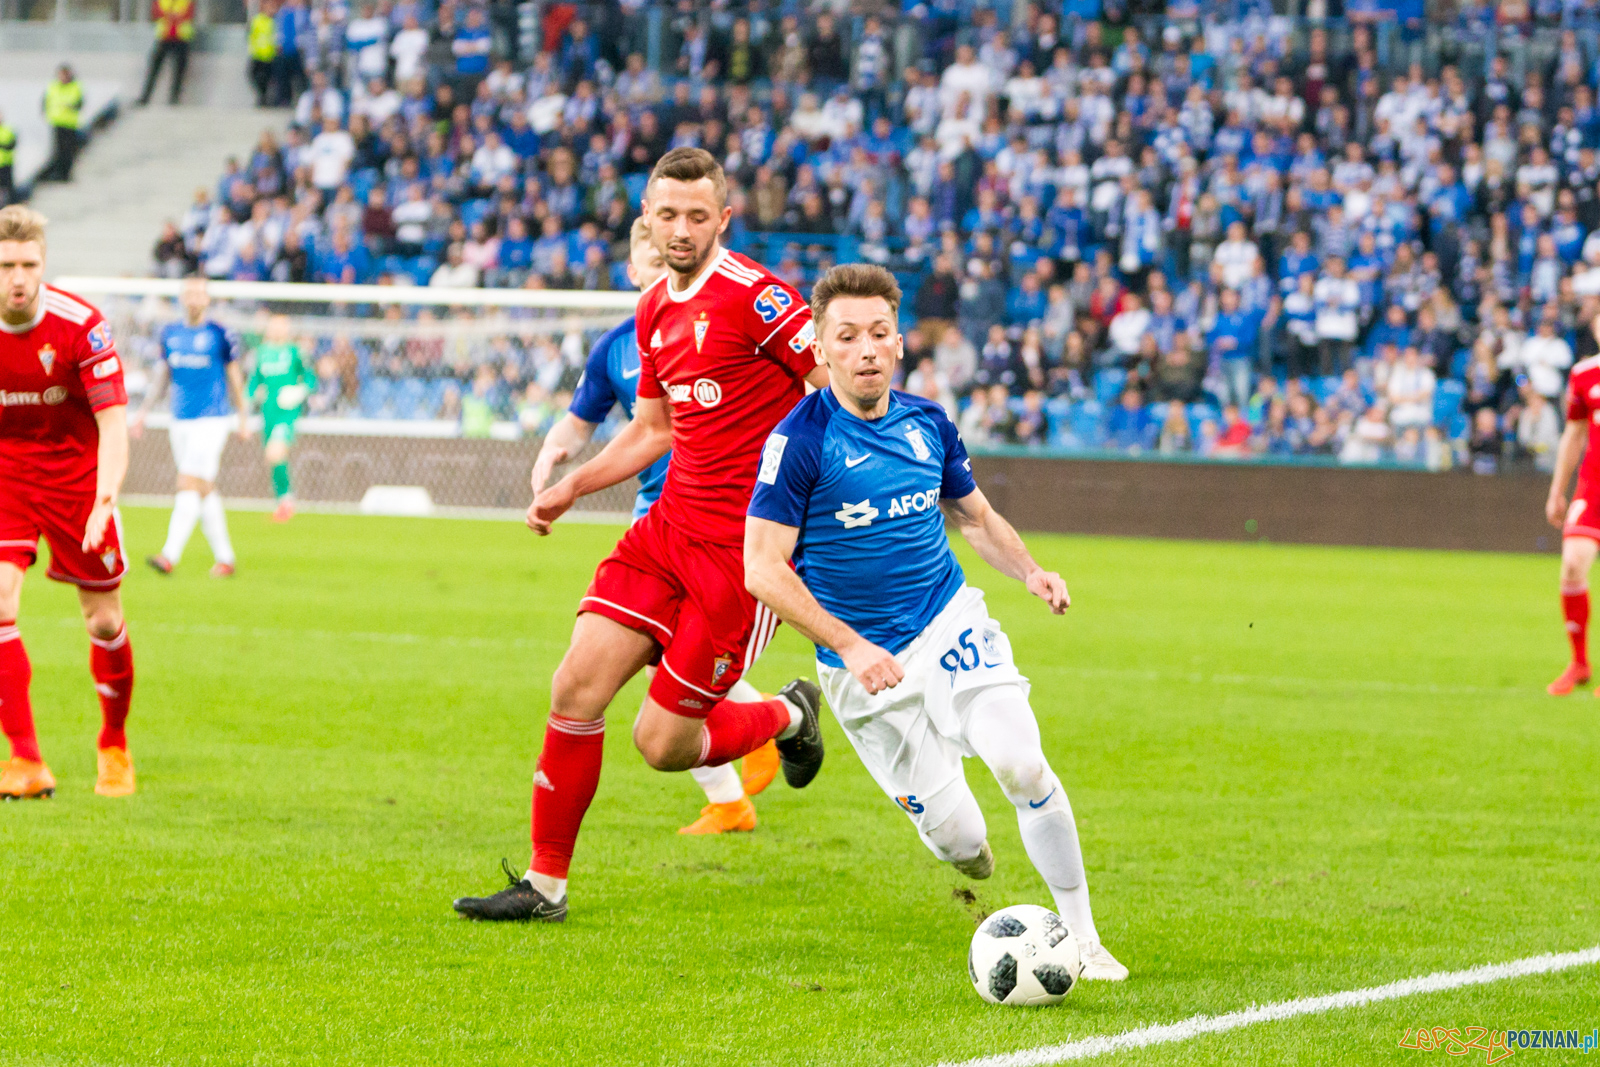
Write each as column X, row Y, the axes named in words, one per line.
column 1196, row 227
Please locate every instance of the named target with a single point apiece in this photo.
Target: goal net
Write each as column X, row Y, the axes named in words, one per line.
column 446, row 392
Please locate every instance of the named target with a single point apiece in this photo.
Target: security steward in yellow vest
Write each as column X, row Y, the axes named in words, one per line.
column 63, row 104
column 174, row 23
column 263, row 46
column 8, row 157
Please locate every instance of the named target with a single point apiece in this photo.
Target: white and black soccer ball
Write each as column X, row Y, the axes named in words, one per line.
column 1024, row 955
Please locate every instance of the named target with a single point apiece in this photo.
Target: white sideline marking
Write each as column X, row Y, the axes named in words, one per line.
column 1199, row 1025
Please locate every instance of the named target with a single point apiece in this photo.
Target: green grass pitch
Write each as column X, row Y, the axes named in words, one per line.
column 1295, row 771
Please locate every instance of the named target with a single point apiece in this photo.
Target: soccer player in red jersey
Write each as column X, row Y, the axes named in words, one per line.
column 63, row 453
column 1578, row 522
column 725, row 352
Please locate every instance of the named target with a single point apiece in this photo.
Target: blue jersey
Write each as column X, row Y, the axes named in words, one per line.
column 611, row 377
column 865, row 497
column 198, row 358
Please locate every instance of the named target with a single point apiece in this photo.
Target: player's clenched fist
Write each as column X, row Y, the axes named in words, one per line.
column 94, row 531
column 875, row 668
column 1051, row 588
column 549, row 506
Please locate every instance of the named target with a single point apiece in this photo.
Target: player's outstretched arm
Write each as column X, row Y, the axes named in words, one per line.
column 643, row 441
column 769, row 578
column 993, row 538
column 159, row 375
column 1574, row 439
column 565, row 438
column 241, row 402
column 111, row 467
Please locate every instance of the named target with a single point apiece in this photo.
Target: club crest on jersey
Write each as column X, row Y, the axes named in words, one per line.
column 918, row 445
column 47, row 358
column 721, row 668
column 109, row 558
column 99, row 338
column 772, row 302
column 701, row 325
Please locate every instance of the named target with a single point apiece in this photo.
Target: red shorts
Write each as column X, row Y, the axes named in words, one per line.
column 27, row 512
column 689, row 595
column 1583, row 514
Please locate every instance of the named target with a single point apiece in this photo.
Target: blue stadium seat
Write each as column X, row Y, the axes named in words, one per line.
column 421, row 269
column 434, row 398
column 475, row 211
column 375, row 395
column 1447, row 399
column 1088, row 424
column 619, row 276
column 1459, row 363
column 409, row 395
column 1323, row 388
column 1457, row 425
column 1108, row 384
column 635, row 184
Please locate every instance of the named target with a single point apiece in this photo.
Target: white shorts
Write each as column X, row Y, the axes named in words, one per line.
column 197, row 445
column 913, row 737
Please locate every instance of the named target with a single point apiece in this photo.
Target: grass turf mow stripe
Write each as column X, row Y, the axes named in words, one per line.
column 1199, row 1025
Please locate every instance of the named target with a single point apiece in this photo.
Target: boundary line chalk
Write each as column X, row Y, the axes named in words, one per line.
column 1200, row 1025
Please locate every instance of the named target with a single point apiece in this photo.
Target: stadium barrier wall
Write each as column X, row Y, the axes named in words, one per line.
column 339, row 467
column 1249, row 501
column 1209, row 501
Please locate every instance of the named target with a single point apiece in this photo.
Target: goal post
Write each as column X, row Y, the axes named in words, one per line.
column 449, row 391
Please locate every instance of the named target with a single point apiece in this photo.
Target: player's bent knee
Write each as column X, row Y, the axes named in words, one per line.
column 959, row 837
column 1025, row 780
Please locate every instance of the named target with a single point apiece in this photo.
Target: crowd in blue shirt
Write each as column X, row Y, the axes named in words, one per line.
column 1115, row 223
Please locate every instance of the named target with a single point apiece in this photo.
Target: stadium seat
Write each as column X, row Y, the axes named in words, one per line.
column 409, row 396
column 1088, row 424
column 1447, row 398
column 375, row 395
column 635, row 184
column 433, row 399
column 1108, row 384
column 1459, row 363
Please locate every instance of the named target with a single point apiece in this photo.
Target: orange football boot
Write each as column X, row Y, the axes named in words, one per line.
column 116, row 772
column 760, row 768
column 284, row 511
column 1575, row 675
column 722, row 818
column 25, row 779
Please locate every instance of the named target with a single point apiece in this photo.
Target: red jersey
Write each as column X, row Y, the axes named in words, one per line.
column 1583, row 404
column 731, row 354
column 55, row 373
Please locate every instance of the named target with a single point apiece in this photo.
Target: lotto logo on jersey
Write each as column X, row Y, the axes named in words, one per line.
column 99, row 338
column 772, row 302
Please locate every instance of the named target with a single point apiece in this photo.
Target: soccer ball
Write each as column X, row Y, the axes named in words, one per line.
column 1023, row 955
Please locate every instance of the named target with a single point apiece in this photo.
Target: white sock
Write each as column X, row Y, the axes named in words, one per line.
column 215, row 524
column 796, row 718
column 722, row 784
column 1005, row 736
column 185, row 513
column 554, row 889
column 744, row 693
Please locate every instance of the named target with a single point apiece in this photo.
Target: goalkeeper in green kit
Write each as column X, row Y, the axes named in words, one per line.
column 280, row 384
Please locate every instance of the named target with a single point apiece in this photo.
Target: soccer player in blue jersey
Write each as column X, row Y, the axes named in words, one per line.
column 198, row 359
column 854, row 488
column 611, row 378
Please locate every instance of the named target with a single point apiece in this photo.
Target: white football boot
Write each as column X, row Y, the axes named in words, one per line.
column 1098, row 964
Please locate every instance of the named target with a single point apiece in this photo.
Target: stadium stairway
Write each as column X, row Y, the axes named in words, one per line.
column 135, row 174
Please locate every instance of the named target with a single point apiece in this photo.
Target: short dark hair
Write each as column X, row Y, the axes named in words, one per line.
column 854, row 280
column 690, row 165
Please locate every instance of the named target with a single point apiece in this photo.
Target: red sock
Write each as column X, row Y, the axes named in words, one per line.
column 16, row 712
column 563, row 785
column 735, row 729
column 1575, row 606
column 111, row 663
